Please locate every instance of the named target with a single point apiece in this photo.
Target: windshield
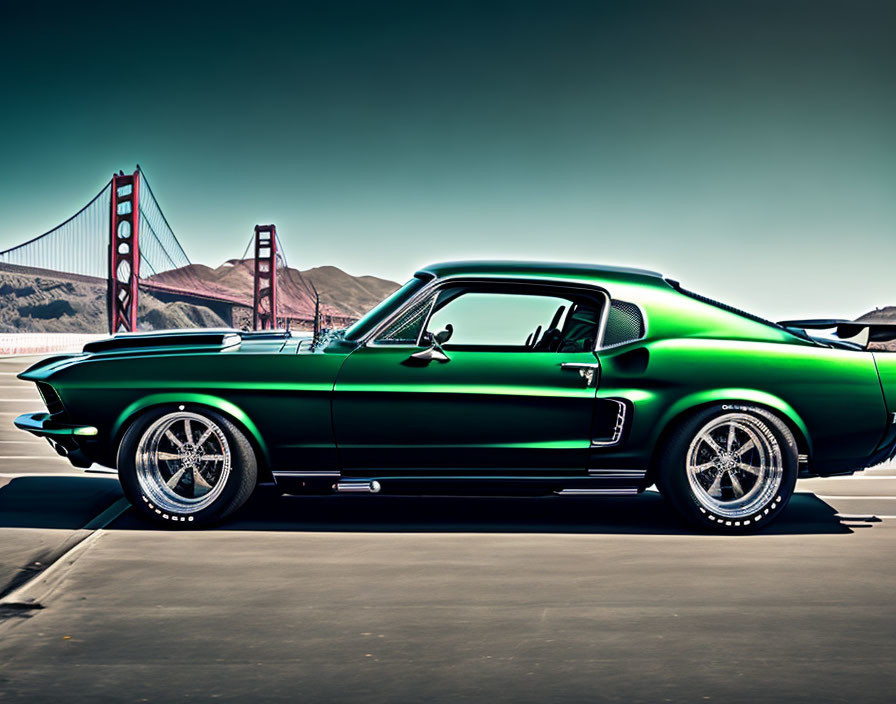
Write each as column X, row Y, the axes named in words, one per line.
column 385, row 308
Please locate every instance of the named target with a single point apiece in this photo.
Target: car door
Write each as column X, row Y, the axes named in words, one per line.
column 505, row 393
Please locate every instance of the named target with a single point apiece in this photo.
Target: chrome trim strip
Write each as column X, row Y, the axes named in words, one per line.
column 622, row 491
column 802, row 459
column 359, row 487
column 602, row 324
column 618, row 473
column 302, row 473
column 618, row 429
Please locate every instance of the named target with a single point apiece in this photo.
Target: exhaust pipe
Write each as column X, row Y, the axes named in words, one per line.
column 358, row 487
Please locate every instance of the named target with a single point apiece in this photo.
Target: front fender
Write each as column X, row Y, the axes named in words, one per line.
column 734, row 396
column 185, row 398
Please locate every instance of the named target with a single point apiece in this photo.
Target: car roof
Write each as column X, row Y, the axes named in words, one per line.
column 562, row 270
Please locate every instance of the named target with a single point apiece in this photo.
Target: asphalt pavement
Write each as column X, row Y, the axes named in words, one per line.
column 398, row 599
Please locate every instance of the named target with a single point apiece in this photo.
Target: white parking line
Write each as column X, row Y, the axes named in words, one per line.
column 841, row 479
column 44, row 475
column 31, row 457
column 863, row 497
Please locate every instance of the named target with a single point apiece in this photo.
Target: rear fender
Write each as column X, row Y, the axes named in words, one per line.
column 735, row 396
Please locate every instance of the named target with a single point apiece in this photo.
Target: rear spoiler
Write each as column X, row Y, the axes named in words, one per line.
column 858, row 332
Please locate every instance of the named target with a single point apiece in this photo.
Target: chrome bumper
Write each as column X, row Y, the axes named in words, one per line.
column 42, row 424
column 65, row 438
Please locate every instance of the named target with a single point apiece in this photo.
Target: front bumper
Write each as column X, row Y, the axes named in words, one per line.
column 42, row 424
column 67, row 439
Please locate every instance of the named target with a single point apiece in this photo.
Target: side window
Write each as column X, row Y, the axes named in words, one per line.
column 512, row 321
column 495, row 319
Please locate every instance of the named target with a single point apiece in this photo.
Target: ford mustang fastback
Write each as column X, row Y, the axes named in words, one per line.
column 480, row 378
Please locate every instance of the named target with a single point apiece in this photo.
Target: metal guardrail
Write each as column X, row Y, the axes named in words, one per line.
column 44, row 342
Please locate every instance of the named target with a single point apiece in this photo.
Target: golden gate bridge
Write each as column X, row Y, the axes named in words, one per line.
column 122, row 238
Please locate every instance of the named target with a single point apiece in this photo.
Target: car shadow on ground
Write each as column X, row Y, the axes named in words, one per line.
column 55, row 502
column 647, row 514
column 71, row 502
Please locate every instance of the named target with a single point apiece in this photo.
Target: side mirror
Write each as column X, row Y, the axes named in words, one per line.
column 433, row 353
column 445, row 335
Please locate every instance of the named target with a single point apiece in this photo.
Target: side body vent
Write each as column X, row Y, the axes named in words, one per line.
column 624, row 324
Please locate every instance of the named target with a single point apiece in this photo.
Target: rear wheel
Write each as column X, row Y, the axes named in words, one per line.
column 181, row 467
column 729, row 468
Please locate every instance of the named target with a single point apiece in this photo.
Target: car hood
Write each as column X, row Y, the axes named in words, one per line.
column 173, row 342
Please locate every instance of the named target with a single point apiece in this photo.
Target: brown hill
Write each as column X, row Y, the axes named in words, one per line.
column 355, row 295
column 32, row 300
column 342, row 295
column 880, row 315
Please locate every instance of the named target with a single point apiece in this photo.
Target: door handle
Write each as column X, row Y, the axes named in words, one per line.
column 588, row 371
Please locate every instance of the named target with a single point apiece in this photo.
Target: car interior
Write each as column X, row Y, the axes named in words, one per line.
column 513, row 310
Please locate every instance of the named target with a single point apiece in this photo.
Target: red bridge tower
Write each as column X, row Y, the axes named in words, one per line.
column 264, row 302
column 124, row 252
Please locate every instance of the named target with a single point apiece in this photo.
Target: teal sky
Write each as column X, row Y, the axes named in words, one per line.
column 747, row 149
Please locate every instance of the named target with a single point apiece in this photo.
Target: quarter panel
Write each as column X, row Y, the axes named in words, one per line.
column 832, row 395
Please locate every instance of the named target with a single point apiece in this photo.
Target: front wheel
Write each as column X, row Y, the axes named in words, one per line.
column 181, row 467
column 729, row 468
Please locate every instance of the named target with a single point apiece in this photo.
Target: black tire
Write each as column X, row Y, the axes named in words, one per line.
column 768, row 494
column 143, row 487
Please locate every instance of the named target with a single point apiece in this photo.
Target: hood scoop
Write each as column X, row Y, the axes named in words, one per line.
column 167, row 340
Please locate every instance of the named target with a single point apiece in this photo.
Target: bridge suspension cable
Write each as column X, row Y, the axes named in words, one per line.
column 78, row 245
column 160, row 250
column 123, row 240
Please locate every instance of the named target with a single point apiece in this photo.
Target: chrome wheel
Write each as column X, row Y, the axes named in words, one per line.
column 734, row 465
column 183, row 461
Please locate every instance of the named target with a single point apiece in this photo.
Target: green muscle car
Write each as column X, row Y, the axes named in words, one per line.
column 484, row 378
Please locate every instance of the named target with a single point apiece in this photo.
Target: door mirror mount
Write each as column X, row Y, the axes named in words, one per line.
column 431, row 354
column 424, row 357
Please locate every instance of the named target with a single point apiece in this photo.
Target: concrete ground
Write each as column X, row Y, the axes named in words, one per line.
column 388, row 599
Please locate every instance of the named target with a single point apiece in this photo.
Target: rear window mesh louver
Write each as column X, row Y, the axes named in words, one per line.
column 624, row 324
